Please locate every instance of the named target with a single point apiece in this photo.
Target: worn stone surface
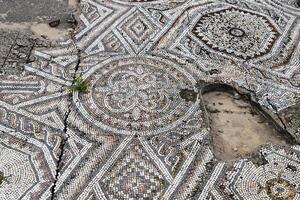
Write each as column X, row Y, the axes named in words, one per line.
column 21, row 23
column 132, row 135
column 16, row 48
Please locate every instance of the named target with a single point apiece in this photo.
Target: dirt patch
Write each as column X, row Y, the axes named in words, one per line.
column 46, row 30
column 237, row 127
column 73, row 3
column 39, row 29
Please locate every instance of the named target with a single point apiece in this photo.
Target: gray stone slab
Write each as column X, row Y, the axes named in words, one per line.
column 32, row 10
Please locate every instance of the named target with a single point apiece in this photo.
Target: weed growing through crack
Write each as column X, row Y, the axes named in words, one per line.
column 3, row 178
column 79, row 85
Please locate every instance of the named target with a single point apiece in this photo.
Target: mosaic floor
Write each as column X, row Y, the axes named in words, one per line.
column 131, row 135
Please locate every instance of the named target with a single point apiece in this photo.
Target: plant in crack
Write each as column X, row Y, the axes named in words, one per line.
column 79, row 85
column 4, row 178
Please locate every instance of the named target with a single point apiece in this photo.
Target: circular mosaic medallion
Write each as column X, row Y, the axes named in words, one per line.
column 237, row 32
column 280, row 189
column 137, row 96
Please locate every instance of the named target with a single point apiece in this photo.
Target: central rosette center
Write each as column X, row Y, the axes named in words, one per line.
column 137, row 93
